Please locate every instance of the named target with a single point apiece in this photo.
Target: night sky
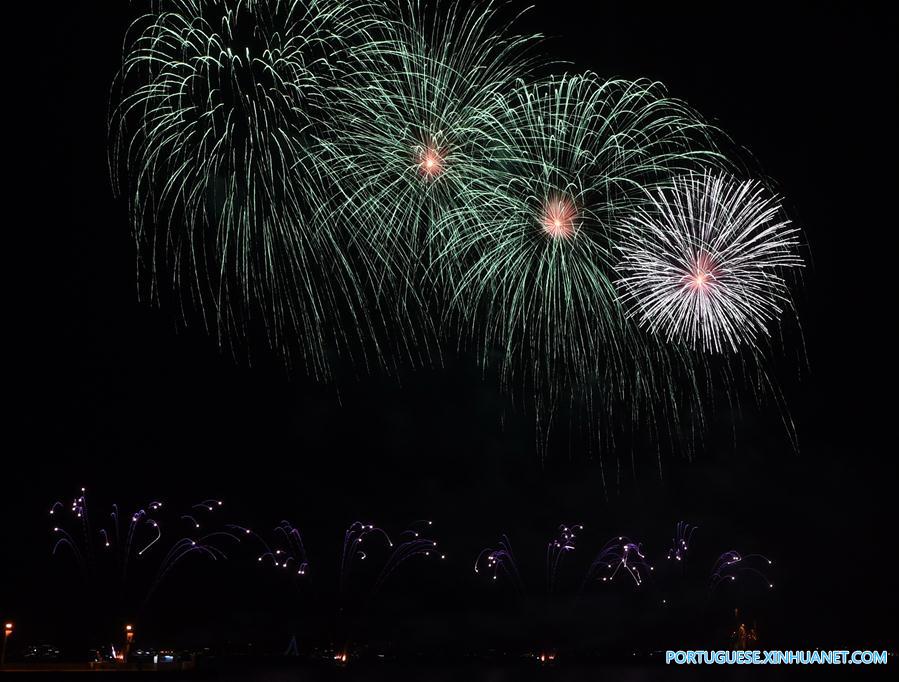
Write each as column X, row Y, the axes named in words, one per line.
column 119, row 396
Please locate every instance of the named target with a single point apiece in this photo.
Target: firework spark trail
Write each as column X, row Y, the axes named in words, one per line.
column 154, row 540
column 296, row 549
column 410, row 543
column 500, row 559
column 620, row 554
column 81, row 551
column 353, row 537
column 182, row 548
column 417, row 120
column 415, row 129
column 213, row 143
column 729, row 565
column 66, row 540
column 414, row 545
column 556, row 549
column 107, row 572
column 680, row 543
column 528, row 258
column 208, row 505
column 356, row 178
column 136, row 517
column 288, row 548
column 705, row 262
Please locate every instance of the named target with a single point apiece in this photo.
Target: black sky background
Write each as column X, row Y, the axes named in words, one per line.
column 112, row 394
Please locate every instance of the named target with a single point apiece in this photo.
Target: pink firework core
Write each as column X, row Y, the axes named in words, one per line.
column 558, row 219
column 701, row 274
column 431, row 161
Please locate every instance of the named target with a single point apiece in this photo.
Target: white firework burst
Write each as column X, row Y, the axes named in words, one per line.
column 704, row 262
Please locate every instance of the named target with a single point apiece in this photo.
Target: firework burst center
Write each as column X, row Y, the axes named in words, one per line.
column 558, row 219
column 431, row 161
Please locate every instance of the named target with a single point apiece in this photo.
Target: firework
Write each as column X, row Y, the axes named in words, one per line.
column 556, row 549
column 109, row 552
column 418, row 119
column 410, row 543
column 500, row 560
column 415, row 129
column 286, row 551
column 528, row 259
column 731, row 564
column 680, row 543
column 705, row 262
column 350, row 178
column 366, row 542
column 213, row 142
column 620, row 555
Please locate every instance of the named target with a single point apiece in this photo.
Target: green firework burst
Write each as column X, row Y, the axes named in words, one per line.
column 213, row 143
column 528, row 263
column 317, row 169
column 417, row 123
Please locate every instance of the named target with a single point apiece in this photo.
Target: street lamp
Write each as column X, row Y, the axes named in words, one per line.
column 129, row 637
column 7, row 631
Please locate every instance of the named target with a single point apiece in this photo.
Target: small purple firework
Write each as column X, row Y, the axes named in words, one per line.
column 619, row 555
column 498, row 561
column 556, row 549
column 412, row 542
column 364, row 542
column 731, row 564
column 108, row 553
column 285, row 552
column 680, row 543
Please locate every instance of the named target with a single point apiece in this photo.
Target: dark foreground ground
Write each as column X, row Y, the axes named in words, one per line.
column 246, row 671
